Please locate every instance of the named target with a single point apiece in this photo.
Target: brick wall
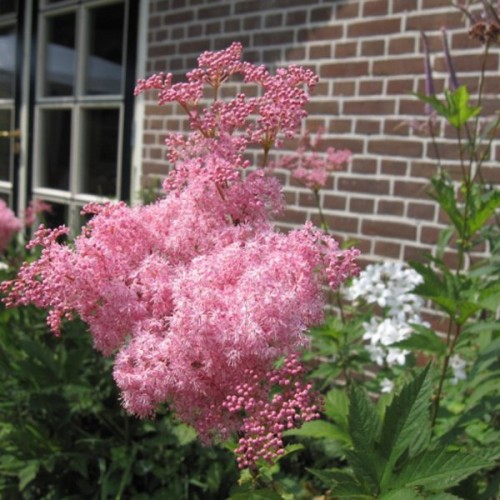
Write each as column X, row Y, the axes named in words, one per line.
column 368, row 56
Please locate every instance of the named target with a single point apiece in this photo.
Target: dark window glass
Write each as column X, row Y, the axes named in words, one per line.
column 7, row 61
column 103, row 73
column 100, row 151
column 56, row 143
column 60, row 56
column 8, row 7
column 5, row 144
column 58, row 215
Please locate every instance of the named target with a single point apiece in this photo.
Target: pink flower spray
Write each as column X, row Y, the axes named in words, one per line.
column 197, row 296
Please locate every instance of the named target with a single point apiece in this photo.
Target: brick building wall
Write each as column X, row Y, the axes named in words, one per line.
column 368, row 56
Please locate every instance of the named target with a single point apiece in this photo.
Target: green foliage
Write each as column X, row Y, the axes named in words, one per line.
column 64, row 435
column 455, row 108
column 393, row 456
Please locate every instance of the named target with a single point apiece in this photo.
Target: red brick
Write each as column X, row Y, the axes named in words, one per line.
column 345, row 49
column 347, row 10
column 341, row 223
column 370, row 87
column 410, row 189
column 390, row 207
column 434, row 21
column 342, row 88
column 402, row 45
column 340, row 126
column 342, row 70
column 363, row 185
column 320, row 33
column 411, row 253
column 320, row 51
column 400, row 86
column 321, row 14
column 421, row 211
column 361, row 205
column 334, row 202
column 373, row 27
column 404, row 5
column 369, row 107
column 376, row 8
column 373, row 48
column 406, row 66
column 394, row 167
column 388, row 249
column 394, row 147
column 364, row 165
column 389, row 229
column 367, row 127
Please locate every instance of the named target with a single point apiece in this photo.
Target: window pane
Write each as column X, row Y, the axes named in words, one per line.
column 5, row 145
column 58, row 215
column 56, row 142
column 60, row 56
column 103, row 72
column 100, row 151
column 7, row 61
column 8, row 7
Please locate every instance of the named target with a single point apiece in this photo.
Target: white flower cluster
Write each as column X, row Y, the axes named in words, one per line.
column 457, row 365
column 388, row 285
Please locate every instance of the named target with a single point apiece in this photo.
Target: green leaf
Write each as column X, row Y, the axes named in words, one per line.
column 28, row 473
column 320, row 429
column 440, row 468
column 343, row 483
column 364, row 424
column 401, row 494
column 443, row 240
column 444, row 194
column 489, row 205
column 425, row 340
column 262, row 494
column 407, row 422
column 337, row 407
column 458, row 104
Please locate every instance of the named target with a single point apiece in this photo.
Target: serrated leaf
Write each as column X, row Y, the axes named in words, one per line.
column 364, row 424
column 337, row 407
column 343, row 483
column 401, row 494
column 406, row 425
column 440, row 469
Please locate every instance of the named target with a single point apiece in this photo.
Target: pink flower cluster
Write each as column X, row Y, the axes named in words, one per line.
column 195, row 292
column 265, row 420
column 309, row 166
column 9, row 225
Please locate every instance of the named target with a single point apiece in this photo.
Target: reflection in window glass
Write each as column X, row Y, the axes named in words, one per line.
column 56, row 142
column 7, row 61
column 105, row 51
column 5, row 145
column 100, row 151
column 8, row 7
column 60, row 56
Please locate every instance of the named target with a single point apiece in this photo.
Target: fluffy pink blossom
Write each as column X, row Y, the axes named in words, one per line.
column 309, row 166
column 9, row 225
column 197, row 292
column 34, row 208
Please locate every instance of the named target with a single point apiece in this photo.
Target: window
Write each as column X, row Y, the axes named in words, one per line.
column 80, row 102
